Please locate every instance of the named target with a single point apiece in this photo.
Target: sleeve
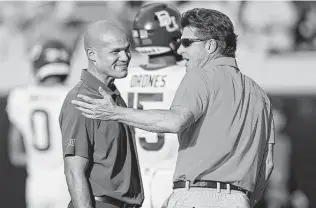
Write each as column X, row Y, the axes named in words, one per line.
column 14, row 107
column 75, row 129
column 192, row 94
column 10, row 106
column 271, row 136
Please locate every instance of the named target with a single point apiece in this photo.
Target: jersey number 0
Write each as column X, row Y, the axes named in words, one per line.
column 40, row 130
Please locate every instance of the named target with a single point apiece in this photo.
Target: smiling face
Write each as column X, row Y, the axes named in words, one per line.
column 196, row 52
column 108, row 50
column 113, row 59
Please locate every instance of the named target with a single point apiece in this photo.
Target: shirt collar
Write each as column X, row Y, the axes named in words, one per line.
column 94, row 83
column 222, row 61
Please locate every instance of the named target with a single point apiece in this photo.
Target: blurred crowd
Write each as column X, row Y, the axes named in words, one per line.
column 263, row 27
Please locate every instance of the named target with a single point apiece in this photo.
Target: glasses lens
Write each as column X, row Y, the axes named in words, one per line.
column 186, row 42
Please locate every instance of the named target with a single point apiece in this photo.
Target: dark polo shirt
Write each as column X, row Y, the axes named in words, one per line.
column 109, row 145
column 233, row 125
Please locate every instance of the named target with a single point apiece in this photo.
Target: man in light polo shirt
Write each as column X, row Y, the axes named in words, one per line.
column 100, row 158
column 223, row 120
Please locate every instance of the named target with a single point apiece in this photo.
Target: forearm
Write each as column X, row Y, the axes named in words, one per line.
column 79, row 191
column 165, row 121
column 259, row 189
column 264, row 174
column 17, row 159
column 17, row 154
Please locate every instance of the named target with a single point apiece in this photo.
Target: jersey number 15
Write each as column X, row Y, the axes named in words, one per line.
column 135, row 100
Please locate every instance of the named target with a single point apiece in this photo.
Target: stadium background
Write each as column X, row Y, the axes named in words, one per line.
column 276, row 47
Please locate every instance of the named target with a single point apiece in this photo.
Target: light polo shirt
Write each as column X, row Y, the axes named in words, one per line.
column 109, row 145
column 233, row 125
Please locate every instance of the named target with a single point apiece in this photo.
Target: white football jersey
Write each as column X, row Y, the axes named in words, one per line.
column 34, row 110
column 152, row 89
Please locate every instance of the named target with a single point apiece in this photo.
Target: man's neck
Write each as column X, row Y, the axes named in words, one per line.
column 210, row 58
column 107, row 80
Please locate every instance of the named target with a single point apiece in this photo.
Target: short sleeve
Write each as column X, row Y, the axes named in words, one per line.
column 75, row 132
column 192, row 94
column 14, row 105
column 271, row 136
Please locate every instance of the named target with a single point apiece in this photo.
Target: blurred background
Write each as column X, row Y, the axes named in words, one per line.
column 276, row 47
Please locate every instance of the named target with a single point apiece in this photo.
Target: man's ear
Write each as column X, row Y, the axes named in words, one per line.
column 211, row 46
column 91, row 53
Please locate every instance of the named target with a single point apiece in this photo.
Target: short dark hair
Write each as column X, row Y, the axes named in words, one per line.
column 212, row 24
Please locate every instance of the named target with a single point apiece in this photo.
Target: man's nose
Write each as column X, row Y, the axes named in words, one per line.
column 180, row 50
column 124, row 56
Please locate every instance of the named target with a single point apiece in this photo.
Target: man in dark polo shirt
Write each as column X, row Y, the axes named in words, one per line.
column 223, row 120
column 101, row 164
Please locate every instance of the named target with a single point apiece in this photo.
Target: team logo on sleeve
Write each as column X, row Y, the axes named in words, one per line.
column 71, row 142
column 165, row 20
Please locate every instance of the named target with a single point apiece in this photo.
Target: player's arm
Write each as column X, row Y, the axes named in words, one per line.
column 17, row 154
column 264, row 175
column 78, row 185
column 76, row 147
column 16, row 148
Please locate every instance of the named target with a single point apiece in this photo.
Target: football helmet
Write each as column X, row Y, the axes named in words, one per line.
column 51, row 58
column 155, row 26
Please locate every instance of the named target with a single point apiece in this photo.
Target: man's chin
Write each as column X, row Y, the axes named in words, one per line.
column 122, row 74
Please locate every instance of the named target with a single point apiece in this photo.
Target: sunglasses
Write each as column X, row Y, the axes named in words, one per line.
column 186, row 42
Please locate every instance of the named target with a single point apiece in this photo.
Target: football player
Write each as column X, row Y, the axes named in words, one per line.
column 33, row 112
column 156, row 33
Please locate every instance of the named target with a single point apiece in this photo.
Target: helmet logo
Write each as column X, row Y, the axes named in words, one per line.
column 165, row 20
